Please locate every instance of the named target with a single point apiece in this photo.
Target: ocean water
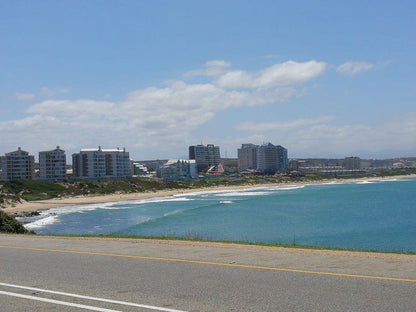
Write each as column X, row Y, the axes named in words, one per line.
column 372, row 214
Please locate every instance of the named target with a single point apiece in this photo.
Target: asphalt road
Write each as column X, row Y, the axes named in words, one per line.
column 73, row 274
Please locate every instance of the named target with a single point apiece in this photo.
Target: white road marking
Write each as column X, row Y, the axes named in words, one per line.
column 69, row 304
column 125, row 303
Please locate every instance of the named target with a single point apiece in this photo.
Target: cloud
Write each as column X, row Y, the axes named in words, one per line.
column 318, row 137
column 159, row 121
column 271, row 56
column 281, row 74
column 353, row 68
column 283, row 126
column 147, row 119
column 212, row 68
column 24, row 96
column 52, row 92
column 79, row 109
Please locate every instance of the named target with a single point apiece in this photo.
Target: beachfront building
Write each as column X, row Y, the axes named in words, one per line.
column 101, row 164
column 52, row 165
column 138, row 169
column 352, row 163
column 271, row 158
column 18, row 165
column 205, row 156
column 247, row 157
column 266, row 158
column 178, row 169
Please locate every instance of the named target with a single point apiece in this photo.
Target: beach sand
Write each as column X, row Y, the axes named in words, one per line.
column 30, row 206
column 26, row 207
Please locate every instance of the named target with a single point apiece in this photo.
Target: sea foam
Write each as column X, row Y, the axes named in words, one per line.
column 40, row 223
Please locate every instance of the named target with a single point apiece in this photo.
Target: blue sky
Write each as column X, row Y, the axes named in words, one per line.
column 322, row 78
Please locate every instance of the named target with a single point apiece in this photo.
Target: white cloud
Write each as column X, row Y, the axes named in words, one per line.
column 80, row 109
column 162, row 118
column 318, row 137
column 283, row 126
column 271, row 56
column 24, row 96
column 353, row 68
column 282, row 74
column 166, row 118
column 212, row 68
column 52, row 92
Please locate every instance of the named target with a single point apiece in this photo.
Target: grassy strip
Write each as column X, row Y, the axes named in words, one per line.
column 199, row 239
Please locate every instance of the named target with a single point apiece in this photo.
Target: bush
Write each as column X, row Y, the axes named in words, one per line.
column 9, row 224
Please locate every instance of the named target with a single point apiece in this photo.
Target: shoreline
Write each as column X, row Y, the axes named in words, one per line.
column 34, row 206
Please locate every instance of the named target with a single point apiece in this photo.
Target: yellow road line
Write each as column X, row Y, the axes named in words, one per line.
column 245, row 266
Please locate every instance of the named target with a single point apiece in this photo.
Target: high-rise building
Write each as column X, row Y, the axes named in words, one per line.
column 352, row 163
column 271, row 158
column 205, row 156
column 282, row 158
column 247, row 157
column 52, row 165
column 18, row 165
column 266, row 158
column 101, row 164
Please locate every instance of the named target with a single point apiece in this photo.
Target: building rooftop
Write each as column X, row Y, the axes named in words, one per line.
column 108, row 150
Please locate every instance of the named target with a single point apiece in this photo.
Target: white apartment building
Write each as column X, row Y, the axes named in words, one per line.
column 205, row 156
column 178, row 169
column 52, row 165
column 18, row 165
column 101, row 164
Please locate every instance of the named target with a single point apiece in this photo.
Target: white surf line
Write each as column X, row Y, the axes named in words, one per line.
column 125, row 303
column 75, row 305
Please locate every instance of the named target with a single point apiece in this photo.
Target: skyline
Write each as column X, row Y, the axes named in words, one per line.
column 322, row 79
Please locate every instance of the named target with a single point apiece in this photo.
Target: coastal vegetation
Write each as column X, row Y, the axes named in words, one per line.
column 8, row 224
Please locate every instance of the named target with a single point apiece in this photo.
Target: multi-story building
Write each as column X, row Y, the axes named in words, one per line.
column 282, row 158
column 178, row 169
column 247, row 157
column 205, row 156
column 266, row 158
column 138, row 169
column 18, row 165
column 101, row 164
column 352, row 163
column 52, row 165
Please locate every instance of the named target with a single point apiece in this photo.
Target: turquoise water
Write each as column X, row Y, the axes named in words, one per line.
column 373, row 214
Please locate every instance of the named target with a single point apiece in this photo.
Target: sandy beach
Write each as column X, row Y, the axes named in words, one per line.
column 26, row 207
column 30, row 206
